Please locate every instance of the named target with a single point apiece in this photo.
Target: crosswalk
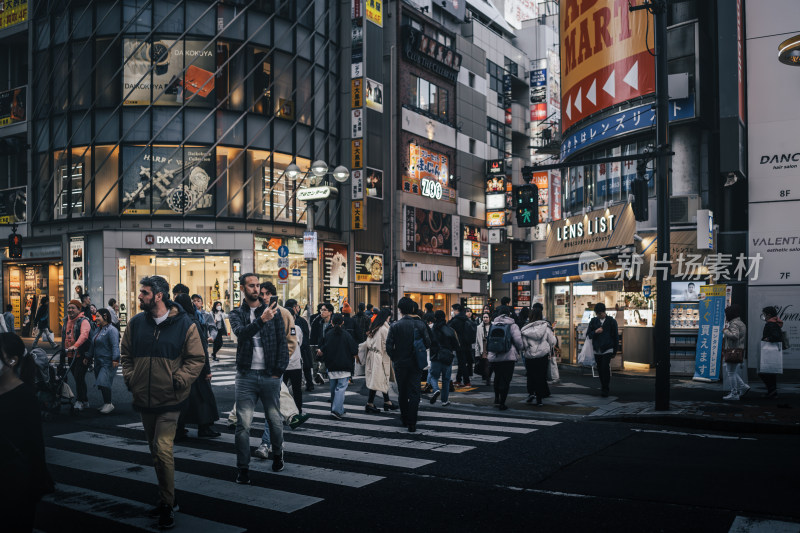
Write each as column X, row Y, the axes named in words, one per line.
column 323, row 457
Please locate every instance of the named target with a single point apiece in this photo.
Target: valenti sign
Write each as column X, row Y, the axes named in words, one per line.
column 604, row 56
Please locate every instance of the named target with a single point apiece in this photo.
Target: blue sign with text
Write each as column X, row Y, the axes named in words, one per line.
column 709, row 336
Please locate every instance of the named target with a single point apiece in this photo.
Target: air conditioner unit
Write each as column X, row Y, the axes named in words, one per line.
column 683, row 209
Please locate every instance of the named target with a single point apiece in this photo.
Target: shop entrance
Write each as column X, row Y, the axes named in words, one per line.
column 440, row 301
column 205, row 274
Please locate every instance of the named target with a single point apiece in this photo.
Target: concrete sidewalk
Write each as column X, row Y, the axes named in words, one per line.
column 632, row 399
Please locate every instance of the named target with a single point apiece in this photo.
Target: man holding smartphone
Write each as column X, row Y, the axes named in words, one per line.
column 262, row 356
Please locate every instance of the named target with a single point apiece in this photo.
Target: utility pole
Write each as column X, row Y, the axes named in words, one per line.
column 663, row 284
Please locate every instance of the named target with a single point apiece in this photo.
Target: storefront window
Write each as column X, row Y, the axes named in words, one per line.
column 440, row 301
column 69, row 188
column 628, row 171
column 268, row 265
column 206, row 275
column 614, row 177
column 590, row 187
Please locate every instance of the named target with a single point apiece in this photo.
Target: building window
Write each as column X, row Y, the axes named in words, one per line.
column 441, row 38
column 472, row 80
column 495, row 73
column 429, row 97
column 69, row 189
column 472, row 146
column 496, row 134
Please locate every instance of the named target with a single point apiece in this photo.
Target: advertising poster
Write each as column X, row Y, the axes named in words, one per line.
column 14, row 205
column 495, row 219
column 429, row 174
column 334, row 261
column 475, row 250
column 122, row 289
column 374, row 94
column 540, row 179
column 428, row 232
column 374, row 183
column 708, row 357
column 13, row 12
column 12, row 106
column 181, row 74
column 369, row 268
column 495, row 184
column 174, row 183
column 776, row 242
column 375, row 12
column 602, row 68
column 77, row 267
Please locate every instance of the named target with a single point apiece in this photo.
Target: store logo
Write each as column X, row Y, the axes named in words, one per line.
column 149, row 239
column 431, row 189
column 778, row 160
column 591, row 267
column 178, row 239
column 432, row 275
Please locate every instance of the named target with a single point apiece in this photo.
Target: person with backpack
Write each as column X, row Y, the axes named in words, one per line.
column 604, row 333
column 407, row 344
column 538, row 339
column 75, row 336
column 773, row 332
column 444, row 345
column 466, row 331
column 504, row 345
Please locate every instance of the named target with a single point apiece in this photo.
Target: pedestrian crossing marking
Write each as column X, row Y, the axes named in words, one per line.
column 330, row 453
column 320, row 475
column 391, row 429
column 261, row 497
column 126, row 511
column 429, row 413
column 365, row 439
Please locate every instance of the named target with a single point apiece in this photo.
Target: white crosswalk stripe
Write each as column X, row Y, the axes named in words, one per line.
column 321, row 455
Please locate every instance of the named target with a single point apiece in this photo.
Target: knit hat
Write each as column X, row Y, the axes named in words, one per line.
column 346, row 309
column 76, row 303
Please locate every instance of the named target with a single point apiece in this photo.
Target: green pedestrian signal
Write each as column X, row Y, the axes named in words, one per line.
column 526, row 205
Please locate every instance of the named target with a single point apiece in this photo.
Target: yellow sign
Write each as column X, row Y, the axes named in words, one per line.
column 712, row 290
column 13, row 12
column 357, row 93
column 358, row 212
column 375, row 12
column 357, row 153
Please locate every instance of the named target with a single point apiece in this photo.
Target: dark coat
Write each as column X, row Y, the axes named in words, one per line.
column 273, row 339
column 464, row 330
column 772, row 332
column 351, row 326
column 444, row 343
column 338, row 349
column 400, row 341
column 305, row 346
column 608, row 339
column 202, row 406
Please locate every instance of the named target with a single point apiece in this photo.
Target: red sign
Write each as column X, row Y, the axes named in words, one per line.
column 604, row 56
column 538, row 112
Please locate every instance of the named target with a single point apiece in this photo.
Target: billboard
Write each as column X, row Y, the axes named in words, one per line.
column 369, row 267
column 374, row 94
column 13, row 12
column 374, row 184
column 12, row 106
column 13, row 205
column 182, row 72
column 604, row 56
column 429, row 175
column 334, row 261
column 430, row 232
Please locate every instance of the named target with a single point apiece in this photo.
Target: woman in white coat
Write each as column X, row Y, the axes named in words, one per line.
column 377, row 366
column 481, row 353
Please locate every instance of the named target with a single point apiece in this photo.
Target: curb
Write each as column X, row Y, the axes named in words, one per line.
column 699, row 422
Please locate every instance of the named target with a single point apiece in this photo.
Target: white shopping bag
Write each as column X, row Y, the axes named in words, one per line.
column 771, row 361
column 586, row 357
column 288, row 407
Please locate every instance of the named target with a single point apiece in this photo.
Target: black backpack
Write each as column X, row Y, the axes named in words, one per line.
column 499, row 338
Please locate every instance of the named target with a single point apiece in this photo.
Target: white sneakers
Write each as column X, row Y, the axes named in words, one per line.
column 731, row 396
column 80, row 406
column 263, row 451
column 107, row 408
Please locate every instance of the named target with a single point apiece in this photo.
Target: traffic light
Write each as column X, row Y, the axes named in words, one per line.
column 526, row 205
column 15, row 246
column 640, row 211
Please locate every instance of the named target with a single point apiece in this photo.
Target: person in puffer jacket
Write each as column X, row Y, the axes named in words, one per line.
column 539, row 340
column 503, row 363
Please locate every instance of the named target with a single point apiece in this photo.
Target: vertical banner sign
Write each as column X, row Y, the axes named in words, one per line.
column 357, row 95
column 357, row 187
column 309, row 245
column 375, row 12
column 507, row 95
column 555, row 196
column 122, row 292
column 358, row 212
column 708, row 358
column 355, row 9
column 357, row 153
column 357, row 121
column 77, row 268
column 540, row 180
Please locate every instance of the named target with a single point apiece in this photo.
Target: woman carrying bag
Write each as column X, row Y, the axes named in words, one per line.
column 377, row 365
column 338, row 350
column 42, row 323
column 481, row 352
column 219, row 320
column 734, row 334
column 104, row 352
column 773, row 337
column 538, row 339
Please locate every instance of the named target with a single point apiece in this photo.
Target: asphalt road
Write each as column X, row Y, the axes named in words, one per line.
column 468, row 468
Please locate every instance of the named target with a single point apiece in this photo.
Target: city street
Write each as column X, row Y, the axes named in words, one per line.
column 468, row 467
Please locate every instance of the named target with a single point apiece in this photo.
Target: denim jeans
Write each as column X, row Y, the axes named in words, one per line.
column 338, row 388
column 251, row 386
column 440, row 369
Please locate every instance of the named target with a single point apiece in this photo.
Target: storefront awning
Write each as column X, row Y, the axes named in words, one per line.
column 552, row 270
column 559, row 268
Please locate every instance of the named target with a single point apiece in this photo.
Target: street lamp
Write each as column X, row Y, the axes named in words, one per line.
column 318, row 192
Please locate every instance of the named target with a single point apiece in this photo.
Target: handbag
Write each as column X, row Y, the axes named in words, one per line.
column 771, row 360
column 420, row 352
column 733, row 355
column 362, row 353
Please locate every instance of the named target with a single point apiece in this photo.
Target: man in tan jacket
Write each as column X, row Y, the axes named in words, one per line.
column 161, row 356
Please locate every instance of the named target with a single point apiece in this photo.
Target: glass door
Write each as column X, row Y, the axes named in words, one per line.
column 208, row 276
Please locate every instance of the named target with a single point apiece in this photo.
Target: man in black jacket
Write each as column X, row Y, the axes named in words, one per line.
column 305, row 346
column 262, row 356
column 466, row 331
column 318, row 328
column 604, row 334
column 400, row 347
